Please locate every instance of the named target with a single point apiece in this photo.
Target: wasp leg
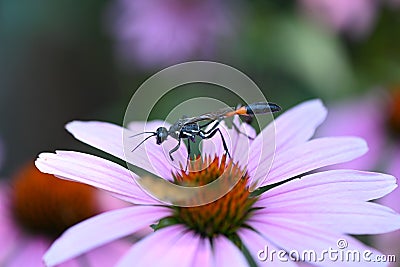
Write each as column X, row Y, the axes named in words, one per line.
column 174, row 149
column 188, row 156
column 240, row 132
column 212, row 128
column 208, row 123
column 208, row 135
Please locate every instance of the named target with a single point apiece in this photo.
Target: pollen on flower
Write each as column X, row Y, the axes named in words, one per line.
column 43, row 204
column 225, row 215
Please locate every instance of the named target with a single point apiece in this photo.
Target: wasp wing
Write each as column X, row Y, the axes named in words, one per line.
column 249, row 110
column 216, row 115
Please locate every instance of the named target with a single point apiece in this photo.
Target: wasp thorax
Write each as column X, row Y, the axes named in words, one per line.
column 161, row 134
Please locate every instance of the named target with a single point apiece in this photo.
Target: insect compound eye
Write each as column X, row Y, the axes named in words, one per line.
column 162, row 134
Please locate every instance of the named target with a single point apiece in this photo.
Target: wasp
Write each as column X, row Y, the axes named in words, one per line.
column 189, row 127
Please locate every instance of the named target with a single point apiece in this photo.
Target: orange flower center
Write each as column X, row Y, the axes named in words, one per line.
column 225, row 215
column 44, row 204
column 394, row 114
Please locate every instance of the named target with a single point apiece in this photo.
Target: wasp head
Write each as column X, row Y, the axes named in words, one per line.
column 161, row 135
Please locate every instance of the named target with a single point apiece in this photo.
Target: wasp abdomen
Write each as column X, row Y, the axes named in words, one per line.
column 261, row 108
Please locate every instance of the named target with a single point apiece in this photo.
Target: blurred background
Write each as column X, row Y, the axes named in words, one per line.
column 65, row 60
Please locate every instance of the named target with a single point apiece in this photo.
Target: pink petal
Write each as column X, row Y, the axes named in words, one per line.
column 390, row 243
column 309, row 156
column 260, row 249
column 107, row 255
column 226, row 253
column 293, row 127
column 242, row 142
column 309, row 199
column 341, row 215
column 170, row 246
column 335, row 184
column 118, row 142
column 204, row 254
column 300, row 236
column 100, row 230
column 297, row 125
column 94, row 171
column 101, row 135
column 30, row 253
column 393, row 200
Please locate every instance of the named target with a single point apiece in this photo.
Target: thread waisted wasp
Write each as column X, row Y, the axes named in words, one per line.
column 189, row 127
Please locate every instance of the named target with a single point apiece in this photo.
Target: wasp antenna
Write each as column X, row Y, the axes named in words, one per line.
column 142, row 133
column 153, row 134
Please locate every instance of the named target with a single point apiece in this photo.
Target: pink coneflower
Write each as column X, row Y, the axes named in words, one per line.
column 35, row 209
column 376, row 118
column 289, row 210
column 163, row 32
column 354, row 17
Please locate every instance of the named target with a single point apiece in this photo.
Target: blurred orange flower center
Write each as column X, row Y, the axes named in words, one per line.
column 394, row 113
column 44, row 204
column 225, row 215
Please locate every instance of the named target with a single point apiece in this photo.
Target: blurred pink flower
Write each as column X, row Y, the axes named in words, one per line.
column 312, row 212
column 34, row 211
column 355, row 17
column 364, row 117
column 152, row 33
column 376, row 118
